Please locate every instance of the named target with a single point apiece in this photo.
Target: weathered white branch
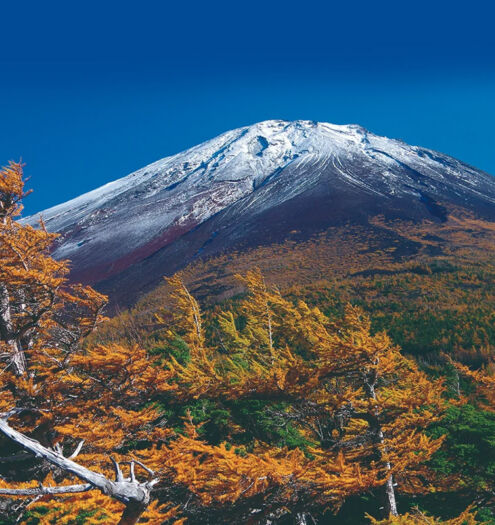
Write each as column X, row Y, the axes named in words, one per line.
column 57, row 448
column 41, row 491
column 118, row 473
column 77, row 450
column 133, row 474
column 96, row 479
column 137, row 462
column 135, row 495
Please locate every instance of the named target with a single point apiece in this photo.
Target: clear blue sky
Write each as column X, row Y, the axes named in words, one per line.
column 90, row 91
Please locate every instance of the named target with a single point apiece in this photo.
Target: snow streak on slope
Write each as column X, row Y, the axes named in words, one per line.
column 264, row 165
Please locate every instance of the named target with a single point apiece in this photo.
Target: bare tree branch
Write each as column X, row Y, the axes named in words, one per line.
column 134, row 494
column 118, row 473
column 77, row 450
column 41, row 491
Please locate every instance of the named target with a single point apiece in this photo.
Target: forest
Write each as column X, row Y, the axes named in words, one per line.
column 365, row 397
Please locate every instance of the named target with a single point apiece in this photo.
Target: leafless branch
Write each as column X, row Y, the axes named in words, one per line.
column 41, row 491
column 134, row 494
column 77, row 450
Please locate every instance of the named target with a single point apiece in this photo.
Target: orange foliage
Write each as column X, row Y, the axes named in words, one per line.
column 418, row 518
column 350, row 391
column 359, row 403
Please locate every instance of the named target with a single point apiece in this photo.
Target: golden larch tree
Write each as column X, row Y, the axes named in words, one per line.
column 351, row 392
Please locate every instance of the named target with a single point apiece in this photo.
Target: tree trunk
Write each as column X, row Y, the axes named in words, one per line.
column 389, row 501
column 132, row 513
column 7, row 332
column 301, row 518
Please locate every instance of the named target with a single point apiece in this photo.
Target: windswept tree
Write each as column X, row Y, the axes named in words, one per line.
column 351, row 393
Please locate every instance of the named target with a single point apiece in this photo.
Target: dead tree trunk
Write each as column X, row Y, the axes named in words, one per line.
column 132, row 493
column 132, row 513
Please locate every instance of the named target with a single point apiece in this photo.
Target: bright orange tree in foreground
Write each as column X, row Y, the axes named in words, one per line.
column 63, row 401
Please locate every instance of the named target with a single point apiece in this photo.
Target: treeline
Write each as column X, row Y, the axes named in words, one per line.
column 271, row 408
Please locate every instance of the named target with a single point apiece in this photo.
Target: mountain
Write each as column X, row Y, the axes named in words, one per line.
column 254, row 186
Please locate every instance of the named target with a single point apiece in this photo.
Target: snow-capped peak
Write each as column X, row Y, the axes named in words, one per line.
column 247, row 171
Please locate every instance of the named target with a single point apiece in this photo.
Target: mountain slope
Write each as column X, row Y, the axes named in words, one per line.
column 253, row 186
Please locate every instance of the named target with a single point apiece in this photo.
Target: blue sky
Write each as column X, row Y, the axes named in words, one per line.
column 92, row 91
